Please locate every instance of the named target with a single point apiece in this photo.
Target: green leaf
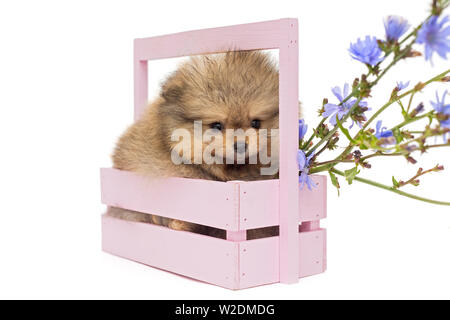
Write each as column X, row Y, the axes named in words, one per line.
column 344, row 130
column 398, row 135
column 335, row 182
column 395, row 182
column 351, row 174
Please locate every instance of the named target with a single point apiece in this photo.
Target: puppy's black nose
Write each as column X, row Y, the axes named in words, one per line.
column 240, row 146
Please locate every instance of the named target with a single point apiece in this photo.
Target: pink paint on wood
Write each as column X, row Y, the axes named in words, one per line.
column 259, row 258
column 251, row 36
column 312, row 252
column 234, row 206
column 140, row 85
column 233, row 265
column 203, row 258
column 259, row 262
column 288, row 195
column 259, row 203
column 200, row 201
column 309, row 226
column 313, row 203
column 237, row 235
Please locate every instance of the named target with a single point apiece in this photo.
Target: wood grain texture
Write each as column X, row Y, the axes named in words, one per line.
column 192, row 255
column 204, row 202
column 288, row 194
column 259, row 258
column 229, row 264
column 234, row 206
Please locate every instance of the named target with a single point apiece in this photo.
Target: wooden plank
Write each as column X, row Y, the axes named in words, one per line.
column 236, row 235
column 250, row 205
column 313, row 203
column 259, row 262
column 251, row 36
column 312, row 251
column 203, row 258
column 259, row 203
column 140, row 86
column 210, row 203
column 288, row 196
column 259, row 258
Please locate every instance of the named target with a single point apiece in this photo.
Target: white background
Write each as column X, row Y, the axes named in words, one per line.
column 66, row 93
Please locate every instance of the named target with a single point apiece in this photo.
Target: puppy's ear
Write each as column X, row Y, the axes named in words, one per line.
column 172, row 90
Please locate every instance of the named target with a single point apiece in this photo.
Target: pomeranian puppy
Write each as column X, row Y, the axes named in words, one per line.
column 215, row 93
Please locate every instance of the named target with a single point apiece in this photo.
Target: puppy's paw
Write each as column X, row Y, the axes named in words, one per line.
column 129, row 215
column 182, row 225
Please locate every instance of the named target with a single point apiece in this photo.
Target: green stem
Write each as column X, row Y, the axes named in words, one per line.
column 417, row 118
column 377, row 79
column 306, row 145
column 324, row 166
column 376, row 114
column 327, row 165
column 388, row 188
column 352, row 94
column 384, row 107
column 332, row 131
column 410, row 102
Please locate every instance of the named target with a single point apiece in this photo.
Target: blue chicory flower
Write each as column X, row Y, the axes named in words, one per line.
column 382, row 132
column 302, row 129
column 395, row 27
column 401, row 85
column 386, row 135
column 366, row 51
column 443, row 109
column 435, row 35
column 304, row 178
column 333, row 110
column 303, row 166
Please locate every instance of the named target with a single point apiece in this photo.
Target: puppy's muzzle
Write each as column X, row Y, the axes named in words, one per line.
column 240, row 147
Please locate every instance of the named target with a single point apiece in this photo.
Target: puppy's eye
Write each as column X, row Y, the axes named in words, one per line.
column 216, row 125
column 256, row 123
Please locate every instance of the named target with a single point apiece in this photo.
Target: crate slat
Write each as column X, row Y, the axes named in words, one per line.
column 192, row 255
column 233, row 206
column 251, row 36
column 211, row 203
column 259, row 204
column 259, row 258
column 229, row 264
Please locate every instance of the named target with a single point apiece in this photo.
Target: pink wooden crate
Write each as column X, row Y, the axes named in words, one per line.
column 235, row 263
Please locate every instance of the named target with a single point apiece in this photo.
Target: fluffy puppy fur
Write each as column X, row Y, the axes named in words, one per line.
column 232, row 89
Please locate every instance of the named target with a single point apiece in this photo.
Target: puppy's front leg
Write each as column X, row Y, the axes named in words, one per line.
column 153, row 219
column 183, row 225
column 129, row 215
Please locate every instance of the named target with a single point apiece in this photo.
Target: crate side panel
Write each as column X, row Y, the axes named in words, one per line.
column 203, row 258
column 312, row 252
column 258, row 259
column 259, row 262
column 205, row 202
column 313, row 203
column 259, row 205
